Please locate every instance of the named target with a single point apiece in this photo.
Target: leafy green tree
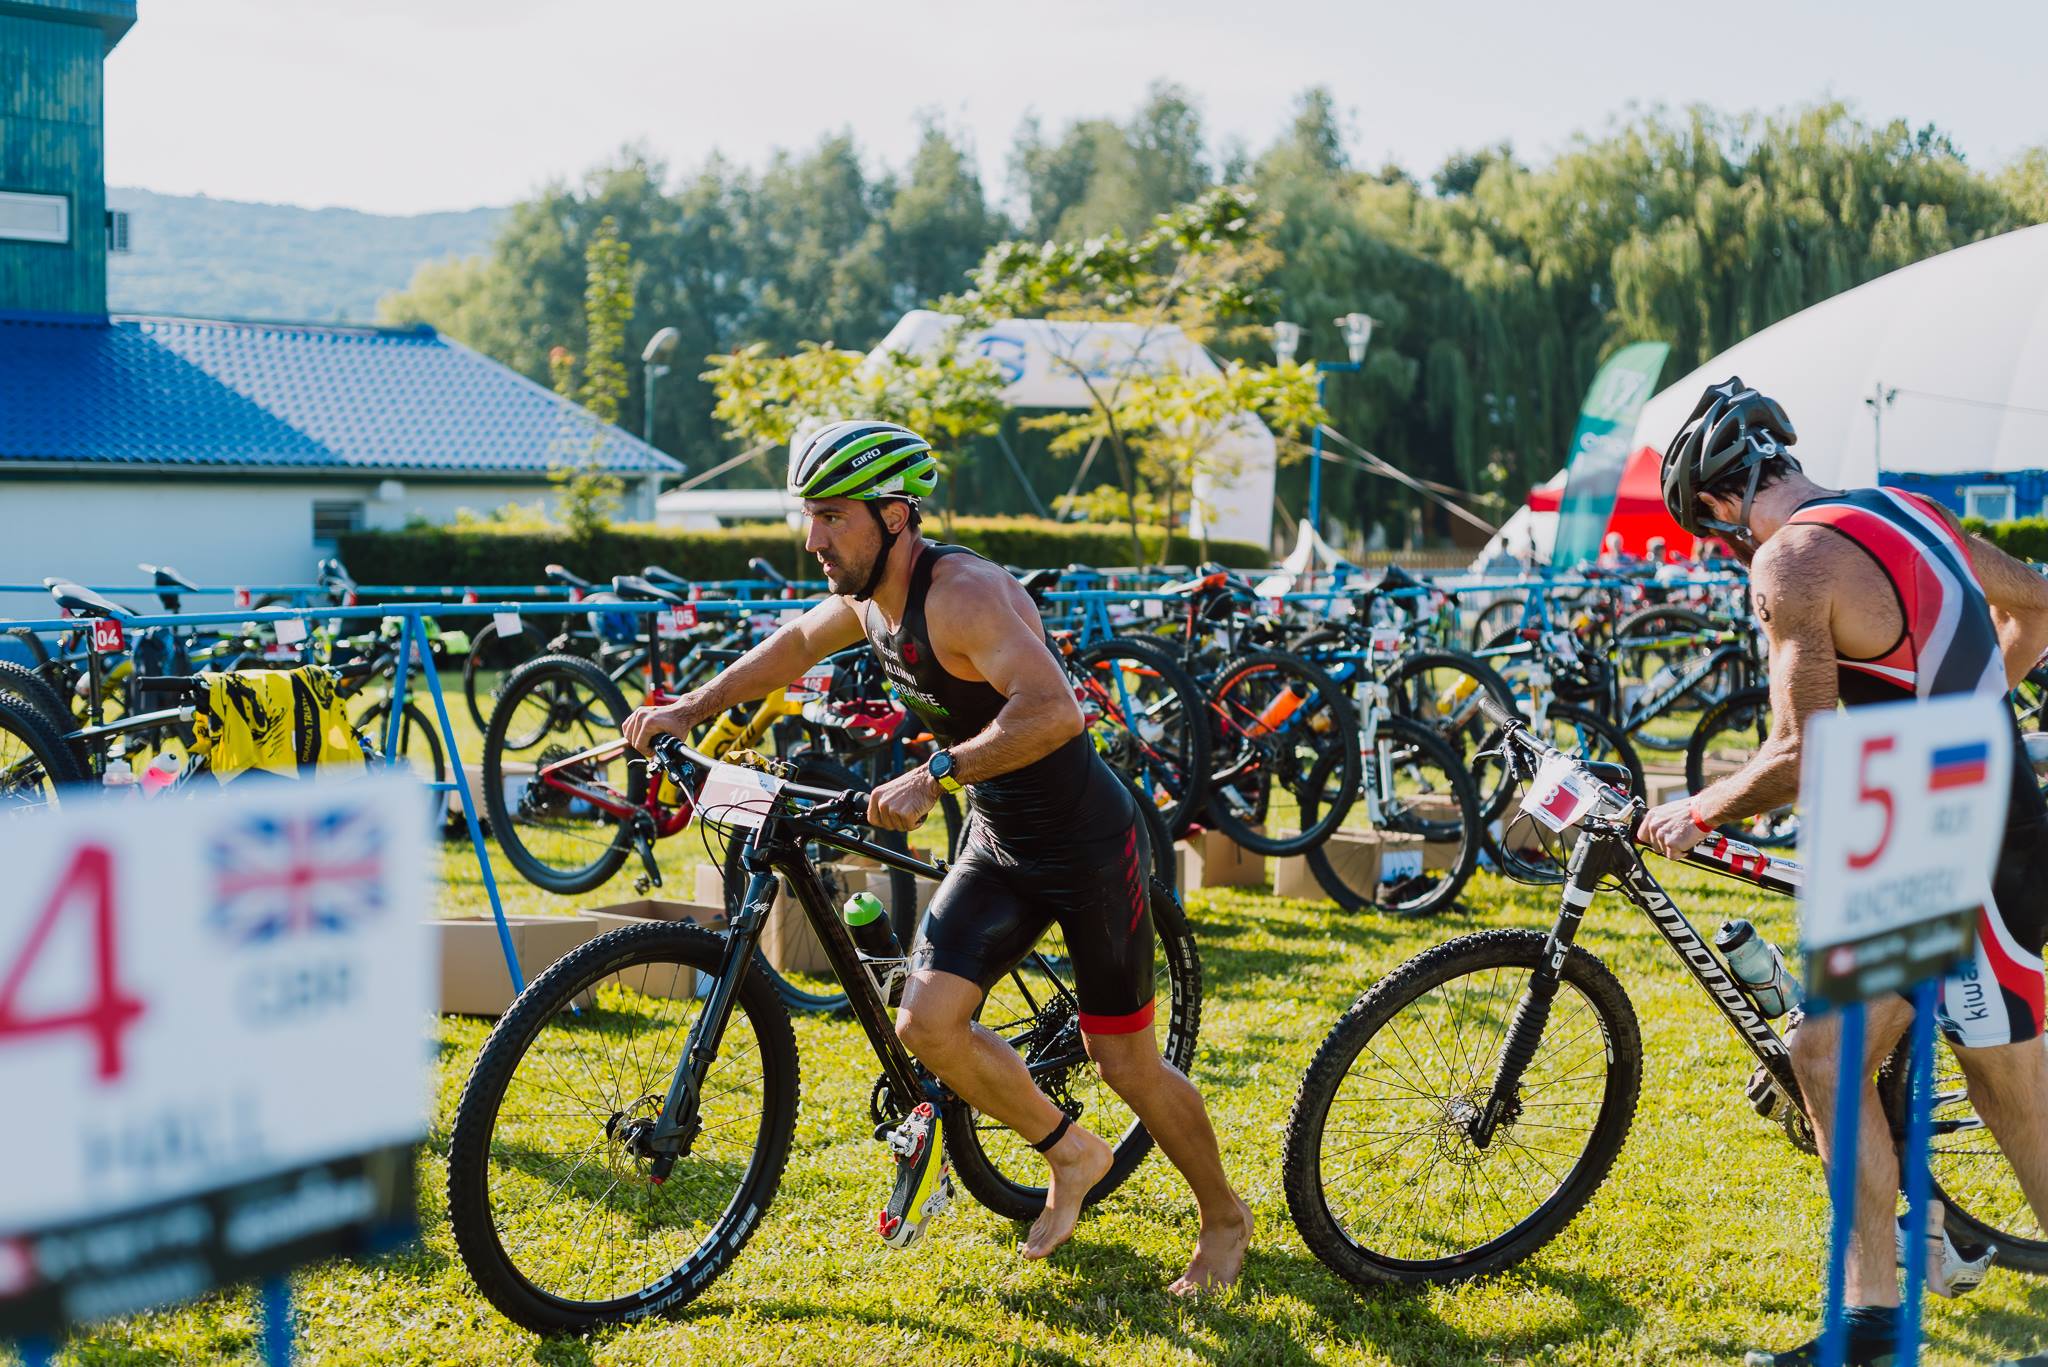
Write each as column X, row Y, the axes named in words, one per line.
column 591, row 494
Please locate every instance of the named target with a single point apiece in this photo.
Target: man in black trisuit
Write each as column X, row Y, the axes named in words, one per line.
column 1053, row 834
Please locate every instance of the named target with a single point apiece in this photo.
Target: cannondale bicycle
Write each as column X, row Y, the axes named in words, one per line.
column 626, row 1124
column 1462, row 1112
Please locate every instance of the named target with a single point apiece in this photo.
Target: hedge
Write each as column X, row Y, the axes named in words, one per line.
column 486, row 555
column 2026, row 537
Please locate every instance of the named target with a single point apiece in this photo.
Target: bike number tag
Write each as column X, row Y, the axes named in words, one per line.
column 242, row 598
column 734, row 795
column 673, row 623
column 1560, row 795
column 1386, row 640
column 291, row 630
column 1152, row 607
column 1562, row 643
column 812, row 686
column 508, row 623
column 106, row 636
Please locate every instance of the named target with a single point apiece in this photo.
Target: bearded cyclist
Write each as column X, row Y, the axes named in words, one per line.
column 1872, row 596
column 1053, row 834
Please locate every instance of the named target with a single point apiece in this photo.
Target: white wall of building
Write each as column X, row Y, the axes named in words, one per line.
column 240, row 531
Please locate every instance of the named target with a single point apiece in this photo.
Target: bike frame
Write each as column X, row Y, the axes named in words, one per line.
column 1606, row 848
column 776, row 847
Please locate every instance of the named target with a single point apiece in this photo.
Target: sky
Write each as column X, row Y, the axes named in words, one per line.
column 407, row 106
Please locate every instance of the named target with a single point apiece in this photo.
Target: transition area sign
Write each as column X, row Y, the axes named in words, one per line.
column 213, row 1040
column 1903, row 807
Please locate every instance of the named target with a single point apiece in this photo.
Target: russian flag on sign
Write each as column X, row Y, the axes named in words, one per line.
column 1959, row 766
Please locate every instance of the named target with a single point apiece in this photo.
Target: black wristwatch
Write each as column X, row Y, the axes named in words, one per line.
column 940, row 767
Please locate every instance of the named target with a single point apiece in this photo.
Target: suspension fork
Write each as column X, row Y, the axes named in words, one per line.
column 675, row 1130
column 1593, row 858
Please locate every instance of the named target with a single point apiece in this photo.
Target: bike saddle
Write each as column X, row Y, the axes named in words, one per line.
column 635, row 589
column 168, row 578
column 1038, row 583
column 668, row 579
column 80, row 601
column 767, row 571
column 562, row 576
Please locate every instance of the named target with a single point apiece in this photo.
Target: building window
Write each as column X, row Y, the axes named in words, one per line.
column 333, row 517
column 1992, row 502
column 35, row 218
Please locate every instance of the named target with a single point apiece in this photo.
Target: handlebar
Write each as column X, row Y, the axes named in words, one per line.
column 833, row 804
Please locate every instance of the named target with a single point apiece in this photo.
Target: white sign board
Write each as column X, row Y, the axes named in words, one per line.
column 734, row 795
column 199, row 994
column 1903, row 807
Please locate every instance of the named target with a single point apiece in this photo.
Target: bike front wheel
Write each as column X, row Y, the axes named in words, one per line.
column 1385, row 1177
column 554, row 1209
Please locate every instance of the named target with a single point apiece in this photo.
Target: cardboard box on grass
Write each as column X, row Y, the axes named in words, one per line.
column 655, row 980
column 516, row 775
column 474, row 979
column 1210, row 859
column 1355, row 855
column 1663, row 788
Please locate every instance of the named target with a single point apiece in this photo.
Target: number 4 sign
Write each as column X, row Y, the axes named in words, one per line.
column 1904, row 807
column 106, row 636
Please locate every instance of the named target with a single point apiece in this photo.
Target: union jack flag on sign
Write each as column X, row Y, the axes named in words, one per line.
column 313, row 873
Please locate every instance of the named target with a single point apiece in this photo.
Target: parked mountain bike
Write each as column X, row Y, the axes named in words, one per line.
column 610, row 1159
column 1463, row 1111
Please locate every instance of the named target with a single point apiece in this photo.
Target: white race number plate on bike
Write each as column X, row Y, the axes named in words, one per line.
column 736, row 796
column 1561, row 794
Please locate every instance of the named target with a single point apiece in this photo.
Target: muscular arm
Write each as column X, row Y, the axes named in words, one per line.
column 774, row 663
column 993, row 627
column 2019, row 605
column 1786, row 585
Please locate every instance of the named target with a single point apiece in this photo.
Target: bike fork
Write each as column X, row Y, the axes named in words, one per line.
column 675, row 1130
column 1591, row 860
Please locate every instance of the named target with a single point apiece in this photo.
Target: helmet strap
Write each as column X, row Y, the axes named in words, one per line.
column 881, row 564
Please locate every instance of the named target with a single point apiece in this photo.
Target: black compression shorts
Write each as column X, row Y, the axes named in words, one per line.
column 996, row 902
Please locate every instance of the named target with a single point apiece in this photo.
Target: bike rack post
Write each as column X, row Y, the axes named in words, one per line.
column 1834, row 1343
column 1919, row 1134
column 276, row 1295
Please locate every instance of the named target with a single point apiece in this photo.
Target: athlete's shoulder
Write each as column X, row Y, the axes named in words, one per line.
column 1799, row 549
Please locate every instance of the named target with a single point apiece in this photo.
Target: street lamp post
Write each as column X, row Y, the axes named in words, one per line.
column 654, row 365
column 1357, row 330
column 1880, row 399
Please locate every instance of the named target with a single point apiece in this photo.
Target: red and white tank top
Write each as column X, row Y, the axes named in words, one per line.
column 1948, row 644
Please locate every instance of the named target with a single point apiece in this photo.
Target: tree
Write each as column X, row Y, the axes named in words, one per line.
column 948, row 396
column 590, row 493
column 1195, row 270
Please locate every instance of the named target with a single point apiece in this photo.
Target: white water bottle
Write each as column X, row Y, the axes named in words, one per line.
column 1758, row 966
column 161, row 773
column 119, row 776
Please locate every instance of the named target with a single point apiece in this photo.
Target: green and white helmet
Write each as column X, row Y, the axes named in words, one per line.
column 863, row 459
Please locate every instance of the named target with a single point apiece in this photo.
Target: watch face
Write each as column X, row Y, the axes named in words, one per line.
column 941, row 764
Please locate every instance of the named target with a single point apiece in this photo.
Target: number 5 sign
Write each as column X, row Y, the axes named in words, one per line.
column 210, row 1041
column 1903, row 808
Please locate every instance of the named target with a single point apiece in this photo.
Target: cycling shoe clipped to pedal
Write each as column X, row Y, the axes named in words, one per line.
column 1952, row 1269
column 924, row 1187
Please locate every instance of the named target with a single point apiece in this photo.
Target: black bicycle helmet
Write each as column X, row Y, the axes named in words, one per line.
column 1733, row 429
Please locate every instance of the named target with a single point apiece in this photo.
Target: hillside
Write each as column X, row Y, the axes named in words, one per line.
column 226, row 259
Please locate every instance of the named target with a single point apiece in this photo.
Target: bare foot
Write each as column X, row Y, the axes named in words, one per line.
column 1219, row 1254
column 1078, row 1161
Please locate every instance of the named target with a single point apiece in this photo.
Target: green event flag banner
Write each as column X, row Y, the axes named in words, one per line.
column 1600, row 448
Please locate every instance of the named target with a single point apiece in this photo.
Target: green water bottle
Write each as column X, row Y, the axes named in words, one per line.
column 868, row 919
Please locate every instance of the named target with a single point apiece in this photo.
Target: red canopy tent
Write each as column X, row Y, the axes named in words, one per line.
column 1639, row 512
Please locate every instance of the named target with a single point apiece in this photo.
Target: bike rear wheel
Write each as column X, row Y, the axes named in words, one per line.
column 1421, row 789
column 559, row 706
column 1982, row 1196
column 35, row 763
column 1383, row 1176
column 1275, row 717
column 1034, row 1009
column 1728, row 737
column 554, row 1212
column 1146, row 717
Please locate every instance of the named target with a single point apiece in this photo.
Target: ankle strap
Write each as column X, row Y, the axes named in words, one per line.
column 1059, row 1132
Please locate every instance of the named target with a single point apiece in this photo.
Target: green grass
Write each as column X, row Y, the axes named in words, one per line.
column 1706, row 1239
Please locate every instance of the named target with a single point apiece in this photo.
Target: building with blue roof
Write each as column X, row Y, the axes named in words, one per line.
column 235, row 450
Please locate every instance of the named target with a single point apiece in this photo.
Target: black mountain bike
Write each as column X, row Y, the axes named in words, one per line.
column 626, row 1124
column 1465, row 1109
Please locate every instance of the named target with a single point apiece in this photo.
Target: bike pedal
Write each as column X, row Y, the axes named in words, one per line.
column 924, row 1186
